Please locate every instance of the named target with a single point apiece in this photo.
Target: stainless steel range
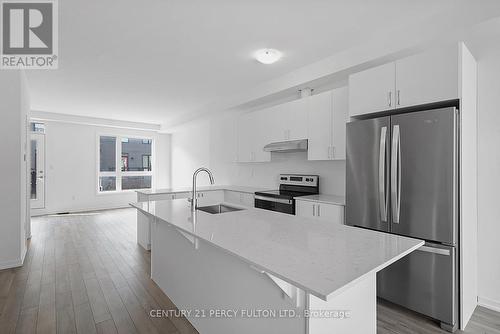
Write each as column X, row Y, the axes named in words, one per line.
column 291, row 185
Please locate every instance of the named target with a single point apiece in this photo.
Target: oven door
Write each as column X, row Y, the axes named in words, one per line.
column 275, row 204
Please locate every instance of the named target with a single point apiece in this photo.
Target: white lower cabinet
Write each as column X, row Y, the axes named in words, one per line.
column 160, row 197
column 240, row 198
column 182, row 195
column 321, row 211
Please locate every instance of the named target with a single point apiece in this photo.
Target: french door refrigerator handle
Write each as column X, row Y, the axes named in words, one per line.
column 395, row 174
column 381, row 175
column 399, row 174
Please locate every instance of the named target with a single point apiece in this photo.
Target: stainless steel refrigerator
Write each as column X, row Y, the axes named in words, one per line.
column 402, row 178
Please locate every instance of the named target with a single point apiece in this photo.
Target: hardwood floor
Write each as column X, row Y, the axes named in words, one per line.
column 393, row 319
column 85, row 274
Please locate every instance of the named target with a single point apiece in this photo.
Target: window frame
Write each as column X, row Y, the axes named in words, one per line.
column 118, row 173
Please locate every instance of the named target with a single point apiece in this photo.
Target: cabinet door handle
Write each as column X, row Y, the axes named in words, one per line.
column 389, row 97
column 398, row 98
column 313, row 210
column 319, row 211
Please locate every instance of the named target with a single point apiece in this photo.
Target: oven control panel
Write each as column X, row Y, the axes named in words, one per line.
column 299, row 180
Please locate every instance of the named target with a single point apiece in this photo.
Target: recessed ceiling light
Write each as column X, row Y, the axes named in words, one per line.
column 267, row 56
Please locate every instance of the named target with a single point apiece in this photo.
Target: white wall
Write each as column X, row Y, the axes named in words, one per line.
column 212, row 143
column 71, row 158
column 13, row 108
column 190, row 150
column 489, row 175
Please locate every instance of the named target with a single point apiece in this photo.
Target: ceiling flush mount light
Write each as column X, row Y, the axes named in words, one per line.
column 267, row 56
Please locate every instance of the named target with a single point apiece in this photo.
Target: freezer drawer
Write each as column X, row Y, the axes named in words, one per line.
column 424, row 281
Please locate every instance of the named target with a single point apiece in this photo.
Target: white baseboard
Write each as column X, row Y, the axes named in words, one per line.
column 489, row 303
column 13, row 263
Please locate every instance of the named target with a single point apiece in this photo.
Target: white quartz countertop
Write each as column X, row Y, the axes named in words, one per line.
column 321, row 258
column 242, row 189
column 328, row 199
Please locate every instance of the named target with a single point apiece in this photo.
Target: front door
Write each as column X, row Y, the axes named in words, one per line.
column 37, row 171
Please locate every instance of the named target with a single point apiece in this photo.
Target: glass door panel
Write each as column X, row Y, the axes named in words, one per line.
column 37, row 171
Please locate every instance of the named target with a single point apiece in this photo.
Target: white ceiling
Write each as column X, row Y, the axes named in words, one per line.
column 154, row 61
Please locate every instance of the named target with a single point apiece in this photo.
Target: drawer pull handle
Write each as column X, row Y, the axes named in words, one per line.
column 434, row 250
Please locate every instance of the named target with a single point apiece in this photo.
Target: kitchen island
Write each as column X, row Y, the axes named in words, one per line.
column 257, row 271
column 242, row 195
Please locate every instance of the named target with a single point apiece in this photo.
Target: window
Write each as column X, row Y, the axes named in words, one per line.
column 146, row 162
column 124, row 163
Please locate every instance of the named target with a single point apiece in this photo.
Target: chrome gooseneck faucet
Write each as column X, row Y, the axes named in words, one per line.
column 194, row 200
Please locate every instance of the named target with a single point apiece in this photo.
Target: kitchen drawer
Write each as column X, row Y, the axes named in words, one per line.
column 321, row 211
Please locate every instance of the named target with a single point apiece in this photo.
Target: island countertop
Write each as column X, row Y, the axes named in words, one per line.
column 321, row 258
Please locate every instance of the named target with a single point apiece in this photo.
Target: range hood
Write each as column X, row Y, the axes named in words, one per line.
column 287, row 146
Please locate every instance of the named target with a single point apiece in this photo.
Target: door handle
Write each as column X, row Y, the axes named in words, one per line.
column 313, row 210
column 381, row 175
column 396, row 174
column 389, row 98
column 319, row 212
column 398, row 99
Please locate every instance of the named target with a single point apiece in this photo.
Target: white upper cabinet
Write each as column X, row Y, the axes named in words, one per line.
column 340, row 119
column 253, row 135
column 296, row 119
column 276, row 117
column 427, row 77
column 319, row 118
column 372, row 90
column 246, row 123
column 327, row 117
column 261, row 136
column 288, row 121
column 320, row 126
